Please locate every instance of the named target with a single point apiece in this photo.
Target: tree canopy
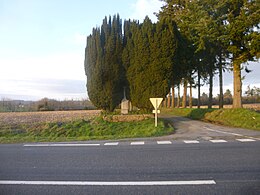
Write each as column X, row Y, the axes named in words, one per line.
column 191, row 38
column 141, row 60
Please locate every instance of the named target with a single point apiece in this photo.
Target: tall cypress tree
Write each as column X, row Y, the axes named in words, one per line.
column 103, row 64
column 150, row 70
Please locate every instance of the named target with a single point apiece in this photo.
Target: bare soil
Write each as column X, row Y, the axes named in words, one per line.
column 12, row 119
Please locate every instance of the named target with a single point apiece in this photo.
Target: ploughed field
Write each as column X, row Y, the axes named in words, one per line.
column 15, row 119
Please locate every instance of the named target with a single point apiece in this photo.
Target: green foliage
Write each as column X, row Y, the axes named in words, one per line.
column 153, row 58
column 242, row 118
column 177, row 111
column 217, row 30
column 190, row 36
column 97, row 128
column 103, row 64
column 142, row 60
column 235, row 117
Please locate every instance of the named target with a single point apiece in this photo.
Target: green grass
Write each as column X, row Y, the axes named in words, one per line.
column 242, row 118
column 95, row 129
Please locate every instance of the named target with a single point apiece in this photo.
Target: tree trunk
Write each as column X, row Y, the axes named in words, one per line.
column 198, row 89
column 179, row 97
column 173, row 96
column 221, row 100
column 210, row 88
column 190, row 100
column 184, row 98
column 169, row 100
column 237, row 98
column 164, row 103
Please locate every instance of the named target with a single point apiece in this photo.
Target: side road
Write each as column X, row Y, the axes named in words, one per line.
column 186, row 128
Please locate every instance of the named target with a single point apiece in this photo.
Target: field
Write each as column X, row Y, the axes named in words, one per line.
column 15, row 119
column 255, row 106
column 73, row 126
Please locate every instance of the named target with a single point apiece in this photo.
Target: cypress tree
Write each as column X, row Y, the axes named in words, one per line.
column 151, row 71
column 103, row 64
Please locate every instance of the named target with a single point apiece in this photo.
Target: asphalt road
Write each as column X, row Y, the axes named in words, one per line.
column 232, row 167
column 199, row 130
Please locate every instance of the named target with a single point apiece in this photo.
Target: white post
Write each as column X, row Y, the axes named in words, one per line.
column 156, row 103
column 156, row 113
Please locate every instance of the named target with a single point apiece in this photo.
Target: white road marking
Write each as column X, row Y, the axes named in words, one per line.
column 246, row 140
column 218, row 141
column 58, row 145
column 132, row 143
column 108, row 183
column 191, row 141
column 111, row 144
column 223, row 132
column 137, row 143
column 230, row 133
column 164, row 142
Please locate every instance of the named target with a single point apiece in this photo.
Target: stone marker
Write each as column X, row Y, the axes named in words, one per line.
column 124, row 104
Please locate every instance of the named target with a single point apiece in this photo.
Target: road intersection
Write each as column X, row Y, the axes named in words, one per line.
column 198, row 159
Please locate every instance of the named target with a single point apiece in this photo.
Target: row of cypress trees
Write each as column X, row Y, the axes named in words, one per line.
column 142, row 60
column 192, row 41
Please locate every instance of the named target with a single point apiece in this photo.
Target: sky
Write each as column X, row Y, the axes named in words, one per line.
column 42, row 45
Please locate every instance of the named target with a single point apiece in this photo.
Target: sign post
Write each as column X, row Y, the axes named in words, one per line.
column 156, row 103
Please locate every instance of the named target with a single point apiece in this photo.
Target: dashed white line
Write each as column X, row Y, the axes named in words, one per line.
column 109, row 183
column 191, row 141
column 131, row 143
column 111, row 144
column 218, row 141
column 246, row 140
column 59, row 145
column 164, row 142
column 137, row 143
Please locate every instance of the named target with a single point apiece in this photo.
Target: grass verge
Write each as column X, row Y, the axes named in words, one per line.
column 79, row 130
column 242, row 118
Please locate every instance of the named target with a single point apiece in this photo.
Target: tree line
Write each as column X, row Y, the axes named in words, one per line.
column 251, row 96
column 191, row 42
column 45, row 104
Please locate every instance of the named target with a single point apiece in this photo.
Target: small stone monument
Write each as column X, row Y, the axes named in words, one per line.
column 124, row 104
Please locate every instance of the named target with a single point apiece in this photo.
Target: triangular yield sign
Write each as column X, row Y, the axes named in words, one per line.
column 156, row 102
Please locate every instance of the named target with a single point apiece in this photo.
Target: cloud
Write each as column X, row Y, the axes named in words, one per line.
column 143, row 8
column 57, row 75
column 54, row 66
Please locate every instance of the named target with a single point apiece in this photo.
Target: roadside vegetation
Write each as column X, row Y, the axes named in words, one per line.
column 243, row 118
column 77, row 129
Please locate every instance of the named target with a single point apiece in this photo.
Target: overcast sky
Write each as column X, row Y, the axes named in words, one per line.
column 42, row 45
